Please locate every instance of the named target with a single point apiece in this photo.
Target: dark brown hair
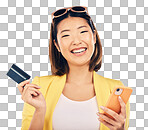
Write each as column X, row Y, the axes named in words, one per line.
column 59, row 65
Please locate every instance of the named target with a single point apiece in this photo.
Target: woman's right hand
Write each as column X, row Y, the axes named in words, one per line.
column 31, row 95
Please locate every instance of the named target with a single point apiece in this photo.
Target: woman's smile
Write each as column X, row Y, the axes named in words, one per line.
column 79, row 53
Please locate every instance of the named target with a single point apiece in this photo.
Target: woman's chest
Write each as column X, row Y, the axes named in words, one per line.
column 79, row 93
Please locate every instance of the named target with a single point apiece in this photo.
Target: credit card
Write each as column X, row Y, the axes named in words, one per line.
column 17, row 74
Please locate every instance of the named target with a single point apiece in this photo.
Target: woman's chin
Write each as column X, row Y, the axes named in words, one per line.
column 81, row 62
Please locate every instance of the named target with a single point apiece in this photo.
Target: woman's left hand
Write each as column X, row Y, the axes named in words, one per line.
column 119, row 119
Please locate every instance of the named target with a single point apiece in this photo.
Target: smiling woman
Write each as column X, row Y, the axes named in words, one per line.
column 73, row 28
column 77, row 37
column 74, row 92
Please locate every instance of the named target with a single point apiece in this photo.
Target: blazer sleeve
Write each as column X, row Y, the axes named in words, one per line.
column 127, row 111
column 28, row 110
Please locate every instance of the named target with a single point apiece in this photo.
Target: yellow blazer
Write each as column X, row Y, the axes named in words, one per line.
column 52, row 87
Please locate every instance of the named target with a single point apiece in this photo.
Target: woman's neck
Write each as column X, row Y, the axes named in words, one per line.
column 79, row 77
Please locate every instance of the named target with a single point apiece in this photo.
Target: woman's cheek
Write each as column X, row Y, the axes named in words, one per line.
column 87, row 34
column 66, row 41
column 86, row 37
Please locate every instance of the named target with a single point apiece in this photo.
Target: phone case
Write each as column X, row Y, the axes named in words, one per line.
column 17, row 74
column 113, row 101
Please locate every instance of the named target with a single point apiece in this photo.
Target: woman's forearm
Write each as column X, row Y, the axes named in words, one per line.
column 37, row 122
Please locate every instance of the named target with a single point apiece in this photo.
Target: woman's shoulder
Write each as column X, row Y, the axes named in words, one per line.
column 41, row 79
column 111, row 83
column 44, row 82
column 109, row 80
column 47, row 77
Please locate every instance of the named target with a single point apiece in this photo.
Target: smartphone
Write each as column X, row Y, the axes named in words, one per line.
column 113, row 101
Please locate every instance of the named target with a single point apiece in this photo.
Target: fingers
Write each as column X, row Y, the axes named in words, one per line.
column 25, row 83
column 107, row 119
column 28, row 95
column 110, row 112
column 106, row 124
column 20, row 85
column 35, row 94
column 30, row 87
column 123, row 107
column 28, row 92
column 120, row 119
column 109, row 122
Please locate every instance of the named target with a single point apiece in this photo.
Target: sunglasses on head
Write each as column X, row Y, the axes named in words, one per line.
column 75, row 9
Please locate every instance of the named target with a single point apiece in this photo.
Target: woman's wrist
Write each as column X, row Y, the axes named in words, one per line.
column 42, row 109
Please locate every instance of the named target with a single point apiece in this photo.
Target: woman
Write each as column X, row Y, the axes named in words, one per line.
column 71, row 98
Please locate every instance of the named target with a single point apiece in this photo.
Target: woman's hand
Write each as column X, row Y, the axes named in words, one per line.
column 31, row 95
column 119, row 119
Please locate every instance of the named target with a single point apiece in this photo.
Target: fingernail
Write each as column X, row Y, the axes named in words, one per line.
column 39, row 86
column 102, row 107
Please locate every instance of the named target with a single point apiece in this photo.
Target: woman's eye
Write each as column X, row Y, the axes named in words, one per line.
column 68, row 35
column 84, row 31
column 65, row 35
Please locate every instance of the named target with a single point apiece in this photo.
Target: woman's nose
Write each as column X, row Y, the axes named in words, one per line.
column 76, row 40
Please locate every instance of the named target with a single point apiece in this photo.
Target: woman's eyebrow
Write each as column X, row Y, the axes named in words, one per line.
column 69, row 30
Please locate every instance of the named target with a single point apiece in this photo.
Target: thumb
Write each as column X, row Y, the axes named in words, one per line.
column 26, row 82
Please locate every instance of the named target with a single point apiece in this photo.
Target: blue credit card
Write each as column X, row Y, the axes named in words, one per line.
column 17, row 74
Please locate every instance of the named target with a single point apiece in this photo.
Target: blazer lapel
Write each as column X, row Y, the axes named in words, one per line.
column 102, row 93
column 52, row 98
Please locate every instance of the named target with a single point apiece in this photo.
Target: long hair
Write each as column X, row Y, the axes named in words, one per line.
column 59, row 65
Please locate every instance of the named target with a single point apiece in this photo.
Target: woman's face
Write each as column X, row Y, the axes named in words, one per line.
column 75, row 38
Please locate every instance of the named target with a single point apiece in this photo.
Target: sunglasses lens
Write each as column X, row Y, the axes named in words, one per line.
column 59, row 12
column 78, row 8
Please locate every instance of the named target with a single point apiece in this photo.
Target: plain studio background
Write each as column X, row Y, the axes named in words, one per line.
column 123, row 29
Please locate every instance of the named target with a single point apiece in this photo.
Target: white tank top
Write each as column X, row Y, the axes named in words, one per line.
column 75, row 115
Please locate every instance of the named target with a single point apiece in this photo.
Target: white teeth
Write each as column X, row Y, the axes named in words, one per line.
column 78, row 51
